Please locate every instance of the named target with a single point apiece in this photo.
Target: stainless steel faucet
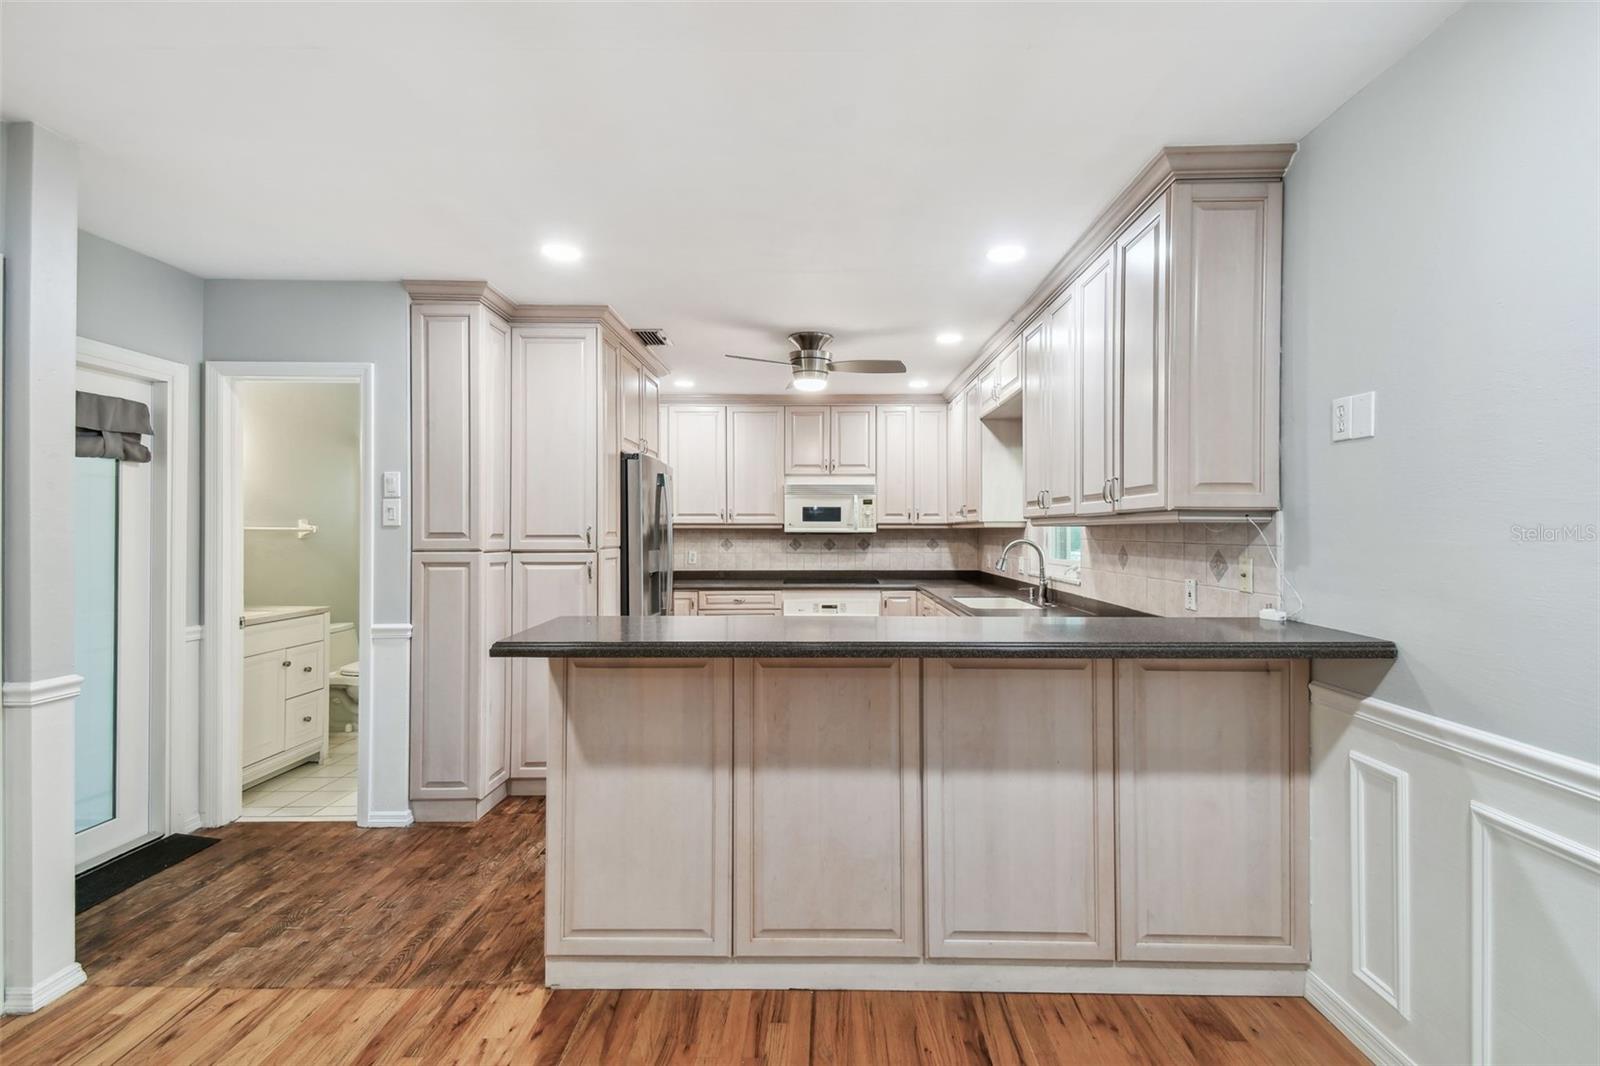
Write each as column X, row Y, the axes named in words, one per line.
column 1044, row 589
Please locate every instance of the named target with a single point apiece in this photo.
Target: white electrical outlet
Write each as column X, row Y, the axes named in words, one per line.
column 1341, row 419
column 391, row 484
column 691, row 556
column 1190, row 590
column 1363, row 415
column 1247, row 574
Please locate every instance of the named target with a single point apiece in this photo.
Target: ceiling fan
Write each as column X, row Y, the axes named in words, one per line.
column 811, row 364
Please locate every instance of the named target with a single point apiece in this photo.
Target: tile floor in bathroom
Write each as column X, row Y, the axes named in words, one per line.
column 311, row 792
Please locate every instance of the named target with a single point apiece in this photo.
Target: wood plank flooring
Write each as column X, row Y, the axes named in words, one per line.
column 319, row 943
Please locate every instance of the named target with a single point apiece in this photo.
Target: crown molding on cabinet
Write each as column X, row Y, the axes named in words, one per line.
column 815, row 399
column 444, row 291
column 1223, row 162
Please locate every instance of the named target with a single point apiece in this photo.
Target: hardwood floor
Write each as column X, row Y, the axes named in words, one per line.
column 320, row 943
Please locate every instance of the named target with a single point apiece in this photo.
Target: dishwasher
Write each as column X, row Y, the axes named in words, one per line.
column 845, row 602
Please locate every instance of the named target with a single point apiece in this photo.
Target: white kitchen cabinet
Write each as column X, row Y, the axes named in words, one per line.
column 697, row 451
column 285, row 694
column 1212, row 808
column 972, row 489
column 830, row 440
column 901, row 604
column 685, row 603
column 827, row 765
column 555, row 437
column 896, row 465
column 650, row 412
column 641, row 864
column 755, row 464
column 630, row 399
column 460, row 396
column 765, row 602
column 460, row 698
column 806, row 441
column 544, row 585
column 928, row 477
column 854, row 439
column 1036, row 433
column 608, row 581
column 1002, row 378
column 955, row 475
column 1060, row 406
column 1139, row 435
column 1096, row 298
column 1019, row 817
column 610, row 443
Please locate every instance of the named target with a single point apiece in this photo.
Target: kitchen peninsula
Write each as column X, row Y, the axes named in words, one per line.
column 1000, row 803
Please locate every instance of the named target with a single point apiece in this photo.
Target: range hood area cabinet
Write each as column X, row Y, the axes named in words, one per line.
column 1151, row 378
column 839, row 439
column 519, row 416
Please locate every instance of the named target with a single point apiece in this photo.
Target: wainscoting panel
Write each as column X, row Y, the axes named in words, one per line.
column 1455, row 880
column 386, row 728
column 183, row 801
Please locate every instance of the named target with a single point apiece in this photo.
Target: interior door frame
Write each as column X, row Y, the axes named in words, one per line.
column 170, row 704
column 221, row 719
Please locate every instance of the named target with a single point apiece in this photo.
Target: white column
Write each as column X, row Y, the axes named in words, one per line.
column 40, row 690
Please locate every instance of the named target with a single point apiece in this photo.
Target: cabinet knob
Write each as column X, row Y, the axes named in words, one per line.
column 307, row 718
column 305, row 669
column 286, row 662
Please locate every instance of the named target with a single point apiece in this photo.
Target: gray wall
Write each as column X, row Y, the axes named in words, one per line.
column 1440, row 248
column 334, row 322
column 133, row 301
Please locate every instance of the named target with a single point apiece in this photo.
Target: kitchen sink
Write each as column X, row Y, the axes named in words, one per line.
column 995, row 603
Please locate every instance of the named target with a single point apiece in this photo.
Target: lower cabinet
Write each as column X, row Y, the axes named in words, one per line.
column 899, row 604
column 1018, row 801
column 827, row 835
column 641, row 757
column 1212, row 809
column 685, row 603
column 544, row 585
column 285, row 696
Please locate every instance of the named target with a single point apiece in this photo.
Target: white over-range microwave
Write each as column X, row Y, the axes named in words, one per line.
column 839, row 504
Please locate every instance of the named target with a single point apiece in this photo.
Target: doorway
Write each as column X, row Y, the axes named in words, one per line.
column 129, row 544
column 290, row 487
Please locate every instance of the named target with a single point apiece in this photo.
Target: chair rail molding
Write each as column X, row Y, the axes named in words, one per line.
column 41, row 692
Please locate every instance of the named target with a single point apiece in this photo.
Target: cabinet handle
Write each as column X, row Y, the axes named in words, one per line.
column 1116, row 487
column 738, row 599
column 1105, row 491
column 589, row 568
column 307, row 718
column 286, row 662
column 588, row 534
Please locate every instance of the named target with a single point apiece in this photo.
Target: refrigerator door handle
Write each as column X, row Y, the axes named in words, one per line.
column 664, row 515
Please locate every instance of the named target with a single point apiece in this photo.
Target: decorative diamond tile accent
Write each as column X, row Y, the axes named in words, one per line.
column 1219, row 565
column 794, row 544
column 863, row 544
column 1122, row 556
column 828, row 545
column 727, row 545
column 932, row 543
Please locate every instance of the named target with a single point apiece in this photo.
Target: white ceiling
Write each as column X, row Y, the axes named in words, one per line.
column 732, row 172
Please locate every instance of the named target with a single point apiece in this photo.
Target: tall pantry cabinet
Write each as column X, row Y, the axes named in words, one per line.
column 519, row 417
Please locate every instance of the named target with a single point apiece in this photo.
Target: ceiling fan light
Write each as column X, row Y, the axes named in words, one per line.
column 810, row 380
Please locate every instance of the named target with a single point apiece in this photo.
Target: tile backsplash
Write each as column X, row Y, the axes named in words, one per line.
column 769, row 549
column 1137, row 566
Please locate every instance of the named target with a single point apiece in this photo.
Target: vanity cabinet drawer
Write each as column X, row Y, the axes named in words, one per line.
column 741, row 601
column 303, row 717
column 305, row 670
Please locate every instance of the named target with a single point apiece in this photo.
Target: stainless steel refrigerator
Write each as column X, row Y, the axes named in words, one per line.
column 646, row 535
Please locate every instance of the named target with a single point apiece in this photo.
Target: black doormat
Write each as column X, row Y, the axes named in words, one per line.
column 125, row 871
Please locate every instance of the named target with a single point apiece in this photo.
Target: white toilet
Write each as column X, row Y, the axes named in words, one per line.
column 344, row 682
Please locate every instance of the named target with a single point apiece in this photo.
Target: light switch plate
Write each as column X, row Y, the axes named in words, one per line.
column 1340, row 419
column 1363, row 415
column 691, row 556
column 391, row 512
column 391, row 484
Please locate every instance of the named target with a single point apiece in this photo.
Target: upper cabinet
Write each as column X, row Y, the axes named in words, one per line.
column 755, row 464
column 697, row 451
column 1150, row 365
column 830, row 440
column 555, row 438
column 638, row 406
column 911, row 465
column 460, row 377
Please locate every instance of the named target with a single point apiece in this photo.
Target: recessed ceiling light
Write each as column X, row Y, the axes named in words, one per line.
column 948, row 337
column 561, row 252
column 917, row 383
column 683, row 383
column 1006, row 253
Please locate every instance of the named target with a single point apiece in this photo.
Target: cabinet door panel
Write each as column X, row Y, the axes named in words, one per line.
column 1140, row 436
column 972, row 489
column 899, row 604
column 1019, row 794
column 441, row 389
column 650, row 412
column 896, row 477
column 928, row 466
column 1097, row 389
column 305, row 718
column 610, row 445
column 955, row 428
column 827, row 824
column 698, row 449
column 806, row 441
column 492, row 436
column 1061, row 409
column 630, row 398
column 641, row 779
column 555, row 437
column 445, row 674
column 1212, row 808
column 543, row 586
column 1036, row 436
column 755, row 465
column 262, row 731
column 854, row 444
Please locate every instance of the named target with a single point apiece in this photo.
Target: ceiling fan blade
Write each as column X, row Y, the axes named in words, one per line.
column 868, row 366
column 758, row 359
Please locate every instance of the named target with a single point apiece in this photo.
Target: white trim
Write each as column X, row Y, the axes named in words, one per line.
column 389, row 819
column 1562, row 771
column 1362, row 1033
column 1486, row 820
column 30, row 998
column 220, row 769
column 391, row 631
column 1361, row 767
column 194, row 634
column 925, row 975
column 39, row 693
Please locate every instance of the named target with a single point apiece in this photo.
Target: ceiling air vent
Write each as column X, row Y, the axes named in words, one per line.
column 652, row 338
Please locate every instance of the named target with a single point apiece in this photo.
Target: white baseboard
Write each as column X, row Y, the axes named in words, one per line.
column 29, row 998
column 926, row 975
column 389, row 819
column 1362, row 1033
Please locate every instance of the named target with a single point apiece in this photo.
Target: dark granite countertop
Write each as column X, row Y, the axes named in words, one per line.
column 942, row 585
column 937, row 638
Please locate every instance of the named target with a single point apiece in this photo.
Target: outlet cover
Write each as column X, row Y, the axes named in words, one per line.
column 1339, row 416
column 691, row 557
column 1363, row 415
column 1247, row 574
column 1190, row 592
